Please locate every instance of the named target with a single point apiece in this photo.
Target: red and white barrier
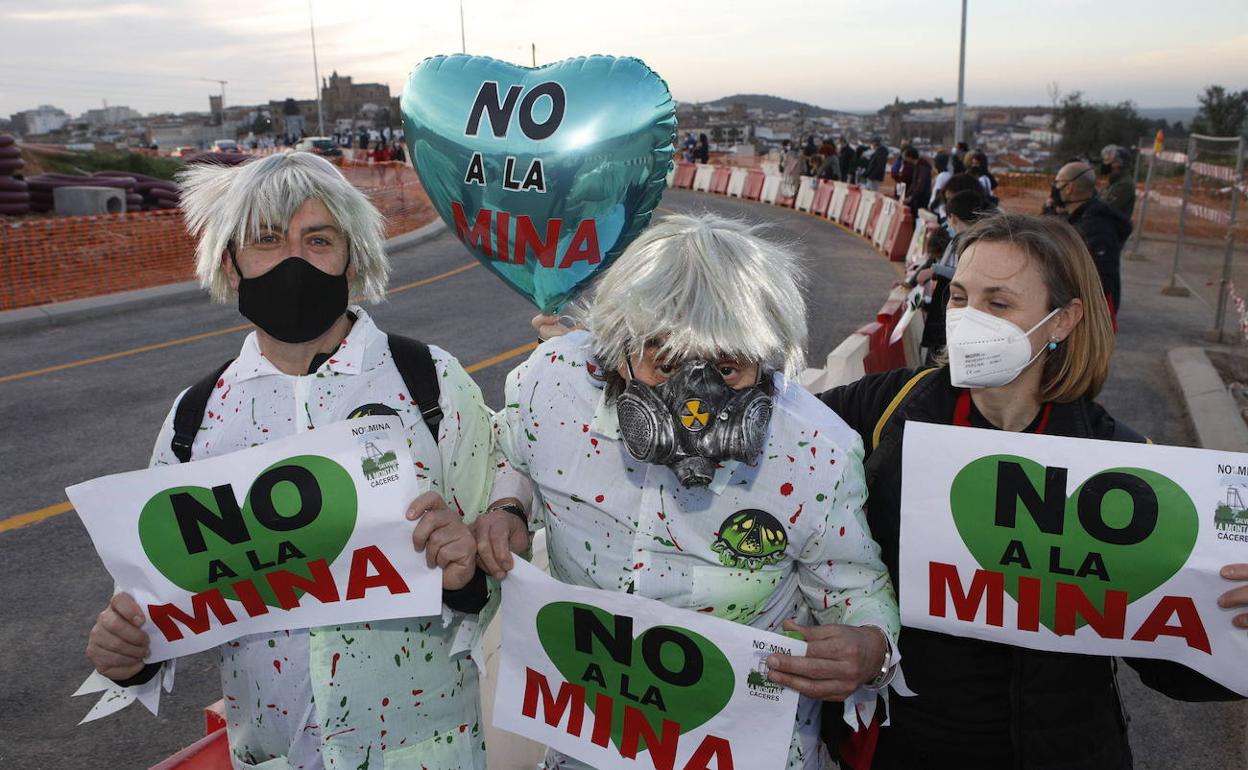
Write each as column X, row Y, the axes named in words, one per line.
column 865, row 208
column 736, row 183
column 805, row 197
column 702, row 177
column 840, row 193
column 849, row 211
column 823, row 196
column 771, row 188
column 754, row 184
column 884, row 221
column 684, row 175
column 898, row 237
column 719, row 180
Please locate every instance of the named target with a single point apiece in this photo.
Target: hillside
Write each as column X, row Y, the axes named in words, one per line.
column 774, row 104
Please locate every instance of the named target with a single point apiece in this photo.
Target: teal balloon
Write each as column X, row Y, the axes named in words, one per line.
column 503, row 151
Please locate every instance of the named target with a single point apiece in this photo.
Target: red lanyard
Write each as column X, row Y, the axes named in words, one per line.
column 962, row 413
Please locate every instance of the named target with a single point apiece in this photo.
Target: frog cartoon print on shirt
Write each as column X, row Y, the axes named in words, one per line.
column 750, row 539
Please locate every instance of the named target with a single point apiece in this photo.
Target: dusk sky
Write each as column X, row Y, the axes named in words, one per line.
column 149, row 55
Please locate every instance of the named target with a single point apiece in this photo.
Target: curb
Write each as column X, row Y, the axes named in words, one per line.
column 59, row 313
column 1213, row 413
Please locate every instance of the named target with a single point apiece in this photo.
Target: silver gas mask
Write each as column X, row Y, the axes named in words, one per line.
column 693, row 421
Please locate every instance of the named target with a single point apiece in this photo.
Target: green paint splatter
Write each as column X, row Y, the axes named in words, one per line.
column 820, row 497
column 396, row 660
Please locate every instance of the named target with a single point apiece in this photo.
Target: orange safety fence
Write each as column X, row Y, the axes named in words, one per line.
column 47, row 259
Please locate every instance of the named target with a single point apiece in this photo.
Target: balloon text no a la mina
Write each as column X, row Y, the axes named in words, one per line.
column 544, row 174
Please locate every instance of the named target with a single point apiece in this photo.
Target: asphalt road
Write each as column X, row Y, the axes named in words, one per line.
column 77, row 423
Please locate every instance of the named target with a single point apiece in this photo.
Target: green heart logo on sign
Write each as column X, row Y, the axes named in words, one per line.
column 297, row 511
column 1125, row 529
column 666, row 673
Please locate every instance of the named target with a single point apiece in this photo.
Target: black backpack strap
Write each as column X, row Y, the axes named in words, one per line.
column 415, row 365
column 190, row 413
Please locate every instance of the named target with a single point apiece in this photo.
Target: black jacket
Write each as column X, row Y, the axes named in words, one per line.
column 1105, row 231
column 983, row 704
column 877, row 164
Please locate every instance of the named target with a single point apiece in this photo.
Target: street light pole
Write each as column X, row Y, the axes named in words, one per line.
column 957, row 120
column 463, row 43
column 316, row 72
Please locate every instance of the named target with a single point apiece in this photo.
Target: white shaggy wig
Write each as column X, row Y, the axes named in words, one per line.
column 700, row 286
column 226, row 205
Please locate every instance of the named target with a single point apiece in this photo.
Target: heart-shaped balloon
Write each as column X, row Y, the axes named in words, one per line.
column 666, row 673
column 1126, row 529
column 297, row 511
column 545, row 174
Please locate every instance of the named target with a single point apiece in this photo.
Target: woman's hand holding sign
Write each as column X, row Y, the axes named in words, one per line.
column 1236, row 597
column 839, row 659
column 445, row 539
column 499, row 534
column 117, row 644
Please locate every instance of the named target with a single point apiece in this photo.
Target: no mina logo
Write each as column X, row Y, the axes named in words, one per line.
column 750, row 539
column 1232, row 512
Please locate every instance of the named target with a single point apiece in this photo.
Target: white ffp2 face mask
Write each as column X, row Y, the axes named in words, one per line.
column 986, row 351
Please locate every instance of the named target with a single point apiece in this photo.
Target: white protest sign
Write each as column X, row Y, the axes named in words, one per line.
column 1074, row 545
column 305, row 531
column 629, row 683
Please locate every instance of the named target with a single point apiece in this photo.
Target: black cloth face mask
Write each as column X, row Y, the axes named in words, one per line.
column 693, row 421
column 293, row 302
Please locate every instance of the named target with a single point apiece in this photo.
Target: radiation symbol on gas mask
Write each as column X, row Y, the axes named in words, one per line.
column 694, row 416
column 750, row 539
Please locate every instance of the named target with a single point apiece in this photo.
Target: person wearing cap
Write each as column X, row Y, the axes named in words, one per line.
column 672, row 454
column 1119, row 193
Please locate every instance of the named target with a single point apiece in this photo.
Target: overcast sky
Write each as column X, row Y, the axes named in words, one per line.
column 151, row 54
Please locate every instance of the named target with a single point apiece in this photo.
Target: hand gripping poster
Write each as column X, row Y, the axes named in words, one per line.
column 305, row 531
column 624, row 682
column 1074, row 545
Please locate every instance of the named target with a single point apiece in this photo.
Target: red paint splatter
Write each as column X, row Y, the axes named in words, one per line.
column 420, row 465
column 590, row 368
column 812, row 451
column 599, row 499
column 707, row 609
column 663, row 516
column 639, row 565
column 594, row 442
column 793, row 518
column 383, row 734
column 277, row 664
column 463, row 727
column 417, row 692
column 227, row 392
column 786, row 489
column 815, row 434
column 842, row 532
column 333, row 360
column 264, row 430
column 221, row 383
column 210, row 414
column 385, row 701
column 584, row 427
column 383, row 717
column 402, row 397
column 792, row 459
column 333, row 665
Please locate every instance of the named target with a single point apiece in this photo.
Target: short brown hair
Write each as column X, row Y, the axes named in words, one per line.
column 1079, row 366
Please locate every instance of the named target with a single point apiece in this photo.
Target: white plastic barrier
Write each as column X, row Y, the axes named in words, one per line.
column 702, row 177
column 916, row 254
column 890, row 209
column 863, row 214
column 736, row 182
column 771, row 188
column 840, row 192
column 912, row 340
column 806, row 193
column 847, row 363
column 770, row 168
